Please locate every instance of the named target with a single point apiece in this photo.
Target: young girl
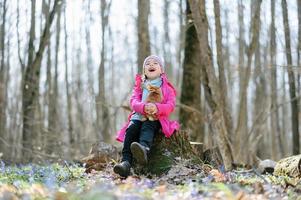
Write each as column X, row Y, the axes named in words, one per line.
column 138, row 134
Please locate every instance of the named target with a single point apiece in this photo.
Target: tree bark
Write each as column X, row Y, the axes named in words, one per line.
column 221, row 69
column 3, row 70
column 291, row 77
column 55, row 133
column 31, row 84
column 67, row 85
column 166, row 44
column 191, row 84
column 275, row 127
column 259, row 101
column 89, row 63
column 299, row 43
column 218, row 122
column 144, row 49
column 242, row 126
column 240, row 130
column 102, row 107
column 180, row 45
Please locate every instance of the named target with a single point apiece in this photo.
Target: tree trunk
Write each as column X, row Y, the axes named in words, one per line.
column 89, row 64
column 180, row 45
column 240, row 130
column 299, row 43
column 291, row 77
column 3, row 69
column 31, row 83
column 144, row 49
column 242, row 126
column 275, row 127
column 191, row 84
column 102, row 107
column 79, row 122
column 259, row 101
column 227, row 62
column 166, row 42
column 221, row 70
column 55, row 111
column 68, row 94
column 218, row 122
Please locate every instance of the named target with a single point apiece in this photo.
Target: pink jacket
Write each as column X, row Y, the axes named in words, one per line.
column 164, row 108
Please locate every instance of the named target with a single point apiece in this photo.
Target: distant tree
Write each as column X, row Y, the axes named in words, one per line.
column 3, row 73
column 291, row 77
column 275, row 127
column 299, row 43
column 144, row 49
column 102, row 107
column 31, row 79
column 221, row 68
column 67, row 84
column 166, row 42
column 241, row 133
column 180, row 44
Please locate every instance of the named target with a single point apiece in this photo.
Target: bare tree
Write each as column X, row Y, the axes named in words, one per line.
column 2, row 69
column 291, row 77
column 3, row 75
column 102, row 107
column 240, row 129
column 218, row 121
column 90, row 61
column 191, row 84
column 67, row 84
column 299, row 42
column 144, row 49
column 259, row 100
column 166, row 43
column 180, row 43
column 31, row 79
column 275, row 127
column 221, row 70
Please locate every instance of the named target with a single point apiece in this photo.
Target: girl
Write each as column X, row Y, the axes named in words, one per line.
column 138, row 135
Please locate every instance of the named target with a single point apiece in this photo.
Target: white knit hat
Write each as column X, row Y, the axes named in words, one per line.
column 156, row 58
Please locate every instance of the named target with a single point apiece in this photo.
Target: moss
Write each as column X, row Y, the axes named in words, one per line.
column 165, row 151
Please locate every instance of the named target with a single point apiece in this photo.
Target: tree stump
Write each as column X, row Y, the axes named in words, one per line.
column 99, row 156
column 162, row 156
column 290, row 166
column 165, row 151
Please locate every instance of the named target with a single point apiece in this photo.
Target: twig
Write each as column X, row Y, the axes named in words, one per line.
column 72, row 176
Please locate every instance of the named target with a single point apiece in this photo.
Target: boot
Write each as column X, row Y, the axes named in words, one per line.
column 123, row 169
column 139, row 153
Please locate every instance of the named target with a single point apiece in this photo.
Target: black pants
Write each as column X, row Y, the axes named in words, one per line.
column 138, row 131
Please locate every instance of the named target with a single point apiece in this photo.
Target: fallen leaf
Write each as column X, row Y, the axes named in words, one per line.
column 161, row 189
column 258, row 188
column 218, row 177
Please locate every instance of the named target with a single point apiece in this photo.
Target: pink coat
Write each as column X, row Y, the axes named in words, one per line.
column 164, row 108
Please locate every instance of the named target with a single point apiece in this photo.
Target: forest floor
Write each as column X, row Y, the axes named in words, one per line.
column 183, row 181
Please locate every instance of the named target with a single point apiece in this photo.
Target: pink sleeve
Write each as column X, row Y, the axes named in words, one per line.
column 166, row 108
column 135, row 102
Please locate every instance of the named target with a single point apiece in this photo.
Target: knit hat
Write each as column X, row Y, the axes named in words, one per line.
column 156, row 58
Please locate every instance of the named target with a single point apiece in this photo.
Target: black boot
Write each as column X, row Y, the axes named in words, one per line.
column 139, row 153
column 123, row 169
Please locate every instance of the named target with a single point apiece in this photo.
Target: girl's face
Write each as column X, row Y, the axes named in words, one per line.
column 152, row 69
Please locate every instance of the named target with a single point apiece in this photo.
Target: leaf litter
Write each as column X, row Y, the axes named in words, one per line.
column 183, row 181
